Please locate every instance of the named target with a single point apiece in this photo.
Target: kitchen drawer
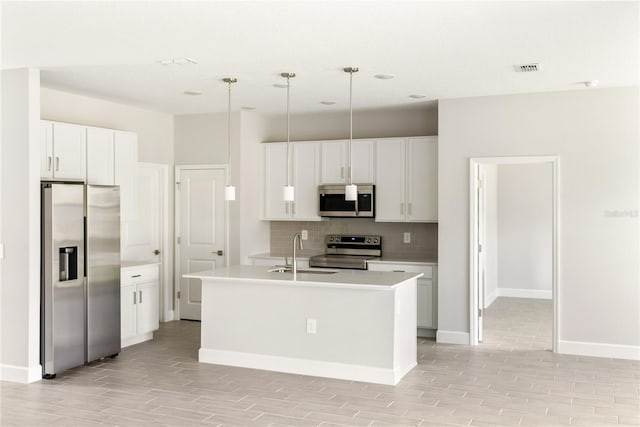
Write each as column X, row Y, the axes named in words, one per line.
column 142, row 274
column 427, row 270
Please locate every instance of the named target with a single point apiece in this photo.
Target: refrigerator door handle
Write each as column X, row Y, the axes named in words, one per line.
column 140, row 296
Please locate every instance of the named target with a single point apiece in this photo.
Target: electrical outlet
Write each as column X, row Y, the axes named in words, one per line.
column 311, row 326
column 304, row 234
column 407, row 237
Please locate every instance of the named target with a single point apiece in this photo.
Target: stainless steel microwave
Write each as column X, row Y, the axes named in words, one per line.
column 333, row 203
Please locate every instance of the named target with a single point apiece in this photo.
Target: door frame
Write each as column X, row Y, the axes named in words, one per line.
column 176, row 225
column 474, row 166
column 166, row 285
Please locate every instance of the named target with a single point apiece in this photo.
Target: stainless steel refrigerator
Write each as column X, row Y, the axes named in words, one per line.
column 80, row 275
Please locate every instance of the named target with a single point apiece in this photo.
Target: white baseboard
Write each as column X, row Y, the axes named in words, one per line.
column 489, row 299
column 136, row 339
column 452, row 337
column 21, row 374
column 314, row 368
column 524, row 293
column 595, row 349
column 426, row 333
column 169, row 316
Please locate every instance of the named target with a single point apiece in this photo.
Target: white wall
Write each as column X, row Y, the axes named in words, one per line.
column 20, row 226
column 595, row 133
column 525, row 230
column 407, row 121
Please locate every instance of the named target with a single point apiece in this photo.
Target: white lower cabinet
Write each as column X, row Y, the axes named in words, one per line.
column 427, row 292
column 139, row 303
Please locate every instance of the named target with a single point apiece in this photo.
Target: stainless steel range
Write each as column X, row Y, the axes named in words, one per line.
column 351, row 252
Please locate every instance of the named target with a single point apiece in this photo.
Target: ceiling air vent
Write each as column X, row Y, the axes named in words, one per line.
column 528, row 68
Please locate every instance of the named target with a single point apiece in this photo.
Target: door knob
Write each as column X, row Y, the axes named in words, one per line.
column 156, row 252
column 219, row 253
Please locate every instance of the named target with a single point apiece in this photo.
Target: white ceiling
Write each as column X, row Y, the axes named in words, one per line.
column 439, row 49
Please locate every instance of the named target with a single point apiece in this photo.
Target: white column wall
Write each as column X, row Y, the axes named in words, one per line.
column 20, row 226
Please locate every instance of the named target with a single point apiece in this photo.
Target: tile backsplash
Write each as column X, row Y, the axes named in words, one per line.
column 424, row 237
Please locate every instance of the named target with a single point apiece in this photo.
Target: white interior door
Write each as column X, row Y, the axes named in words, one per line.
column 142, row 236
column 201, row 232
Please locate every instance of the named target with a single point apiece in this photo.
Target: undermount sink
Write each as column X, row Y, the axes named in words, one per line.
column 301, row 270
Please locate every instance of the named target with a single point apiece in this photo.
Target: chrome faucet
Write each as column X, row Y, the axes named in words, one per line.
column 294, row 265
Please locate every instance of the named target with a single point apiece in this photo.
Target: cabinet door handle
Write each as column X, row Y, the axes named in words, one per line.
column 342, row 172
column 293, row 208
column 137, row 275
column 401, row 208
column 49, row 161
column 409, row 208
column 57, row 163
column 140, row 299
column 134, row 297
column 398, row 271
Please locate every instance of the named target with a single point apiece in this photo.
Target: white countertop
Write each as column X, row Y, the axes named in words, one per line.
column 136, row 264
column 267, row 255
column 347, row 279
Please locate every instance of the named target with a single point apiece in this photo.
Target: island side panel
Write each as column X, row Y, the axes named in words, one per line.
column 405, row 347
column 263, row 325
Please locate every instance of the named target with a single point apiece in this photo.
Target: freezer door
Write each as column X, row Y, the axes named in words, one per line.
column 62, row 277
column 103, row 271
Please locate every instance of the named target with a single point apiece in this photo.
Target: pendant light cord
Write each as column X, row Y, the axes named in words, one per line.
column 229, row 136
column 288, row 134
column 350, row 125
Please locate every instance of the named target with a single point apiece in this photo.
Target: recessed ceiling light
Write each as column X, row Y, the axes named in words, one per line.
column 417, row 96
column 192, row 92
column 280, row 85
column 591, row 83
column 248, row 108
column 177, row 61
column 384, row 76
column 327, row 102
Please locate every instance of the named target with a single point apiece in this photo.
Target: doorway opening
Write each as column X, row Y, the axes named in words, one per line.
column 514, row 250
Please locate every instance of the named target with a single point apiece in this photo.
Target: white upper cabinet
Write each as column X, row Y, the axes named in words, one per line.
column 125, row 160
column 275, row 178
column 407, row 179
column 63, row 148
column 422, row 179
column 100, row 156
column 46, row 150
column 335, row 161
column 305, row 176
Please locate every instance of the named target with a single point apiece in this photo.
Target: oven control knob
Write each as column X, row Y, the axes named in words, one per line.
column 375, row 240
column 368, row 240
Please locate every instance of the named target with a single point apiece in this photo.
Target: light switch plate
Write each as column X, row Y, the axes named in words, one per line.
column 407, row 237
column 304, row 234
column 311, row 326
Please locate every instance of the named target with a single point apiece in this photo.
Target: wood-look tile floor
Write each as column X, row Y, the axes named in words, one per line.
column 161, row 383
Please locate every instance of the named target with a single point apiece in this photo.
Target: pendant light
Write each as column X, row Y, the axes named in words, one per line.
column 288, row 193
column 351, row 190
column 229, row 190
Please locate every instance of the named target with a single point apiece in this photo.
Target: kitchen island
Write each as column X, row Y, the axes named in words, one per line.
column 346, row 324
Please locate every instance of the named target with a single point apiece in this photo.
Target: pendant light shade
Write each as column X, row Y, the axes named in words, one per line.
column 288, row 194
column 351, row 190
column 229, row 190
